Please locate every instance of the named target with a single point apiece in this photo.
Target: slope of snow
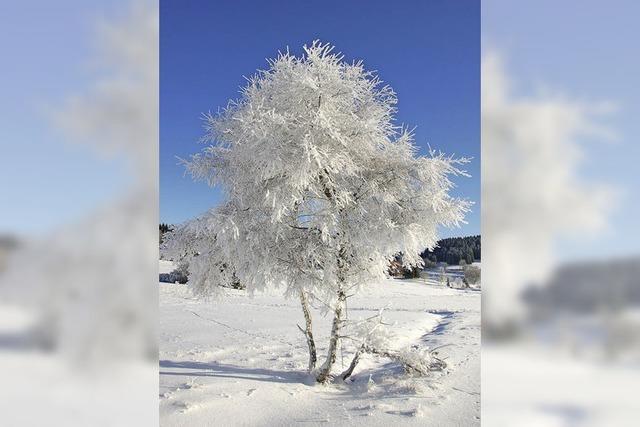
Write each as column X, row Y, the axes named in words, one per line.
column 242, row 360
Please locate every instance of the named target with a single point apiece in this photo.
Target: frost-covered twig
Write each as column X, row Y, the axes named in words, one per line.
column 374, row 339
column 413, row 361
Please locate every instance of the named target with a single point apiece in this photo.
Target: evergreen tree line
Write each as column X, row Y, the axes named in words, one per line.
column 164, row 228
column 454, row 249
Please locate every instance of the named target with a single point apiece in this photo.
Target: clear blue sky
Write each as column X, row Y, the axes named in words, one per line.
column 428, row 51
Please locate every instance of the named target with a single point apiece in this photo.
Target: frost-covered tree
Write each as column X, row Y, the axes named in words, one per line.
column 322, row 188
column 472, row 274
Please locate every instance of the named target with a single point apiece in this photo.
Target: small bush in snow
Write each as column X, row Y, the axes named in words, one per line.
column 472, row 275
column 458, row 283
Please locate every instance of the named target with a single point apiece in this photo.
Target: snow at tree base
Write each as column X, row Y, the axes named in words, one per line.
column 241, row 361
column 323, row 190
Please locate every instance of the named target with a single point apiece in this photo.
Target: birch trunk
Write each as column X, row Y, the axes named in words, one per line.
column 325, row 370
column 308, row 332
column 356, row 358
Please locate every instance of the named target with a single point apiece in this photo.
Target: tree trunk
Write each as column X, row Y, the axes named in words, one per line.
column 356, row 358
column 308, row 332
column 325, row 370
column 324, row 373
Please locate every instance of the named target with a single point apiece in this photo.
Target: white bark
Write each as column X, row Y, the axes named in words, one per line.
column 308, row 331
column 324, row 373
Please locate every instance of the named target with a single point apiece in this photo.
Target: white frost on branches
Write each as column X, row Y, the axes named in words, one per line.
column 323, row 188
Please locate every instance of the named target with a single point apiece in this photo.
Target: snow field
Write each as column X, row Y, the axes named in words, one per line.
column 242, row 361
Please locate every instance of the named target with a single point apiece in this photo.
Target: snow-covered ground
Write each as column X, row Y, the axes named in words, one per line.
column 241, row 360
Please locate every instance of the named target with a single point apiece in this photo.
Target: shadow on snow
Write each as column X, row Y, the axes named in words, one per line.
column 219, row 370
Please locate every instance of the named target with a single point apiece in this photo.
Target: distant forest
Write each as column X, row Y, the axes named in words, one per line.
column 164, row 228
column 454, row 249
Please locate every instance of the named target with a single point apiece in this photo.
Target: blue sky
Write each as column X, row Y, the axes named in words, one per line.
column 589, row 54
column 428, row 51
